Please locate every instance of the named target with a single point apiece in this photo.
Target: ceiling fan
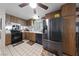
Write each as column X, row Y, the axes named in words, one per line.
column 33, row 5
column 38, row 4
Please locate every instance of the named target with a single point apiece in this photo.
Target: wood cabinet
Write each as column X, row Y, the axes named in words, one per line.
column 30, row 36
column 68, row 9
column 24, row 35
column 7, row 39
column 52, row 14
column 27, row 35
column 14, row 19
column 24, row 22
column 69, row 42
column 28, row 22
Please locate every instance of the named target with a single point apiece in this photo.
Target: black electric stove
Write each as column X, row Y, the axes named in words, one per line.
column 16, row 36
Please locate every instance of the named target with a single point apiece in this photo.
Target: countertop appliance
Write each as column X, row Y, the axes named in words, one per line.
column 15, row 27
column 52, row 35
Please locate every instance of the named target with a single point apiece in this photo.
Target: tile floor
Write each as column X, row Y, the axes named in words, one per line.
column 24, row 49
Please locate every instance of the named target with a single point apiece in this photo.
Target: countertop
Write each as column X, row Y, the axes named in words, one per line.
column 33, row 32
column 8, row 32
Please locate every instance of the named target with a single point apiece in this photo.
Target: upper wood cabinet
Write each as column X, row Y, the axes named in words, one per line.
column 28, row 22
column 52, row 14
column 68, row 9
column 24, row 22
column 10, row 18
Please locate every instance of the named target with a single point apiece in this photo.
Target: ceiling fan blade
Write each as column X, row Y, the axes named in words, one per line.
column 43, row 6
column 23, row 4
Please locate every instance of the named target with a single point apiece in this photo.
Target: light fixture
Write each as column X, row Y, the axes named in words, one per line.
column 47, row 21
column 33, row 5
column 35, row 17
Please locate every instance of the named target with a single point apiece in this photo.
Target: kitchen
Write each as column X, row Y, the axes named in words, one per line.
column 26, row 27
column 30, row 31
column 46, row 31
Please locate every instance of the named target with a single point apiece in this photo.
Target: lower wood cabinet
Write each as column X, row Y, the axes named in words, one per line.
column 35, row 37
column 7, row 39
column 24, row 35
column 30, row 36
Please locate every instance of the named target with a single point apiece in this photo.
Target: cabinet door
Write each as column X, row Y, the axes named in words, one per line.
column 23, row 22
column 68, row 9
column 8, row 39
column 32, row 37
column 28, row 22
column 13, row 19
column 27, row 33
column 24, row 35
column 69, row 41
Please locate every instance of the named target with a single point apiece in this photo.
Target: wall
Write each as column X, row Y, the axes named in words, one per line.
column 2, row 41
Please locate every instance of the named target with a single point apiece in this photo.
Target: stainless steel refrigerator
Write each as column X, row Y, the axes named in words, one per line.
column 52, row 35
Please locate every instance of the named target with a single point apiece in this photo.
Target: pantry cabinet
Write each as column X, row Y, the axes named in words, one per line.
column 69, row 42
column 68, row 9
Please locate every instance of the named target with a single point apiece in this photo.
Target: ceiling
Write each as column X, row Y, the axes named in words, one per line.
column 27, row 12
